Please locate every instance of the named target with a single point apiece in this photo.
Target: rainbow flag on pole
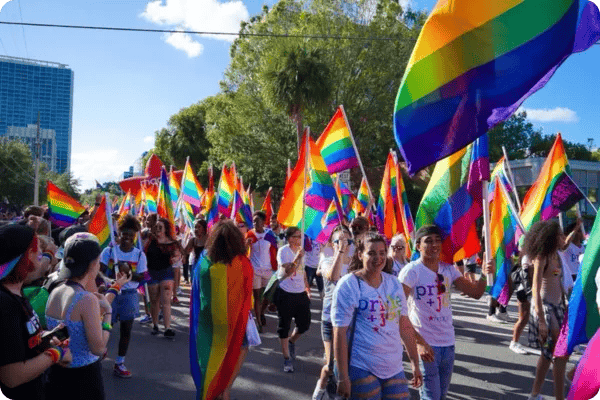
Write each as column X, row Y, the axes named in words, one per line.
column 406, row 224
column 471, row 69
column 387, row 221
column 174, row 189
column 500, row 172
column 164, row 207
column 335, row 144
column 363, row 195
column 219, row 309
column 227, row 186
column 332, row 218
column 267, row 205
column 99, row 225
column 64, row 210
column 191, row 190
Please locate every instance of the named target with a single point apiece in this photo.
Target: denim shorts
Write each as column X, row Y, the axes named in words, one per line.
column 126, row 306
column 395, row 387
column 161, row 275
column 327, row 331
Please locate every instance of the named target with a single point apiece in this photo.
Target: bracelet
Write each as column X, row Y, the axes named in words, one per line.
column 112, row 290
column 48, row 255
column 483, row 278
column 106, row 326
column 56, row 353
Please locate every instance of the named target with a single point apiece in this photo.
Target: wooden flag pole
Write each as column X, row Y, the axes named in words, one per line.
column 512, row 179
column 306, row 158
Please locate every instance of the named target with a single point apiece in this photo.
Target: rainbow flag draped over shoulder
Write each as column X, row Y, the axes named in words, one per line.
column 220, row 305
column 453, row 201
column 191, row 190
column 553, row 191
column 584, row 319
column 505, row 234
column 99, row 224
column 64, row 210
column 387, row 221
column 471, row 68
column 335, row 144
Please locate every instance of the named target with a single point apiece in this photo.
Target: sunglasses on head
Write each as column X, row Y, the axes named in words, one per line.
column 441, row 288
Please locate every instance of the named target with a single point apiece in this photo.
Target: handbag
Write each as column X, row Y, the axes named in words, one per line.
column 271, row 289
column 252, row 333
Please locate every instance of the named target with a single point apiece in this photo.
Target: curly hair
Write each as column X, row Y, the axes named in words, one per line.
column 542, row 239
column 361, row 243
column 129, row 222
column 168, row 227
column 225, row 242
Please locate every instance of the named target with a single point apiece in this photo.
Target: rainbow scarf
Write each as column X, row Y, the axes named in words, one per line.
column 191, row 190
column 99, row 224
column 335, row 144
column 505, row 235
column 219, row 308
column 453, row 201
column 64, row 210
column 584, row 319
column 469, row 71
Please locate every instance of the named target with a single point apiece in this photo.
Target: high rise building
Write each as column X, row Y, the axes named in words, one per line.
column 29, row 87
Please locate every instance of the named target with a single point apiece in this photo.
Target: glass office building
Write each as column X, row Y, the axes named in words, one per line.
column 29, row 87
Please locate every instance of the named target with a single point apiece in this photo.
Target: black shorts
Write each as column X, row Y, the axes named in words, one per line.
column 75, row 383
column 292, row 305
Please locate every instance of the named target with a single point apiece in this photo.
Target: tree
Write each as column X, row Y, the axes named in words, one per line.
column 16, row 169
column 64, row 181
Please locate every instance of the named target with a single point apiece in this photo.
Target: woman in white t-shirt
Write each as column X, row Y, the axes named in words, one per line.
column 372, row 366
column 292, row 299
column 398, row 254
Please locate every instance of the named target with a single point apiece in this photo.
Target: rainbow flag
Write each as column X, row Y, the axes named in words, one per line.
column 453, row 200
column 586, row 382
column 191, row 190
column 469, row 71
column 100, row 226
column 267, row 205
column 584, row 319
column 319, row 193
column 212, row 206
column 335, row 144
column 505, row 234
column 64, row 210
column 387, row 222
column 219, row 309
column 405, row 220
column 164, row 207
column 174, row 189
column 363, row 195
column 149, row 199
column 227, row 186
column 553, row 191
column 332, row 218
column 500, row 172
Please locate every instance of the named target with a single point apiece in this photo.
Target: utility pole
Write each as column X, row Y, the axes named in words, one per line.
column 36, row 183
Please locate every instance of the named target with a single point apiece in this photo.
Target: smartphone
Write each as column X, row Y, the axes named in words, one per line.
column 61, row 334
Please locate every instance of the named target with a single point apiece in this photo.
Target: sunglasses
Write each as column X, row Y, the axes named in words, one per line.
column 398, row 248
column 441, row 288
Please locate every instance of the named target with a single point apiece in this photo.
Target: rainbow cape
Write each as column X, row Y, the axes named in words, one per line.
column 471, row 69
column 267, row 205
column 219, row 308
column 64, row 210
column 453, row 201
column 335, row 144
column 584, row 319
column 99, row 224
column 505, row 235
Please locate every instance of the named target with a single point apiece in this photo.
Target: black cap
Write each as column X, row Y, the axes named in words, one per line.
column 427, row 230
column 14, row 242
column 80, row 250
column 70, row 231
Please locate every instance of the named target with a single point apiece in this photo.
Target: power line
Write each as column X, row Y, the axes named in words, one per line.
column 23, row 28
column 203, row 33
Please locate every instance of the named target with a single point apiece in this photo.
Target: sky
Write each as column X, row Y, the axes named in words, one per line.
column 128, row 84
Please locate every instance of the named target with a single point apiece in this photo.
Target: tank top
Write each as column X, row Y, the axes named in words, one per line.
column 159, row 255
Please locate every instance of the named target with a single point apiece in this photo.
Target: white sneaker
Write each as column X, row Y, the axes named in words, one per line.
column 179, row 292
column 517, row 347
column 319, row 394
column 503, row 316
column 538, row 397
column 494, row 318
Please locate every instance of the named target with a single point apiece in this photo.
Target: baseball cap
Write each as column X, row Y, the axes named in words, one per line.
column 427, row 230
column 80, row 250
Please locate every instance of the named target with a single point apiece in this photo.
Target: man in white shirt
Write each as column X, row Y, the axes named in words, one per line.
column 574, row 248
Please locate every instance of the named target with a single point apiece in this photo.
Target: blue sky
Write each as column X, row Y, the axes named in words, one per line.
column 127, row 85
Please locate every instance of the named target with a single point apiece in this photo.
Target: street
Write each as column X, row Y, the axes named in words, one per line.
column 484, row 369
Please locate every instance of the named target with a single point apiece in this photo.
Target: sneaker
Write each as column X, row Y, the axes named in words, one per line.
column 146, row 319
column 169, row 333
column 175, row 300
column 538, row 397
column 155, row 330
column 292, row 349
column 121, row 371
column 517, row 347
column 179, row 292
column 287, row 365
column 320, row 394
column 494, row 318
column 503, row 316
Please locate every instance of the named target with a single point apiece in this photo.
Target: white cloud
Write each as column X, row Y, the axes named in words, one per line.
column 149, row 140
column 102, row 165
column 405, row 4
column 196, row 15
column 558, row 114
column 3, row 3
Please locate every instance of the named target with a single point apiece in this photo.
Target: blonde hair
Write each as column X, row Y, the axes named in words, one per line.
column 397, row 238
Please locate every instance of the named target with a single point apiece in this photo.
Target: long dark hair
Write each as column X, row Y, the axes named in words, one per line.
column 225, row 242
column 361, row 244
column 542, row 239
column 168, row 227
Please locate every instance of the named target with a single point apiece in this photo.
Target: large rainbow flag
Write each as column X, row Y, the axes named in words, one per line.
column 584, row 319
column 471, row 68
column 387, row 222
column 220, row 305
column 64, row 210
column 227, row 186
column 553, row 191
column 191, row 190
column 505, row 234
column 453, row 200
column 335, row 144
column 99, row 224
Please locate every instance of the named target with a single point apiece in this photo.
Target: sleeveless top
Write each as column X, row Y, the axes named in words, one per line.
column 82, row 355
column 159, row 255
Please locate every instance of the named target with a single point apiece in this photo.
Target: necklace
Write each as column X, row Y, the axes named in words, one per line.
column 72, row 283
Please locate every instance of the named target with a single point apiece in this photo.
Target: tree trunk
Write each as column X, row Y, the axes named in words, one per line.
column 299, row 128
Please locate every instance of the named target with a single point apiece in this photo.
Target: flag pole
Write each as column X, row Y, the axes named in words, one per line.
column 578, row 212
column 486, row 229
column 306, row 155
column 360, row 164
column 109, row 219
column 512, row 207
column 512, row 178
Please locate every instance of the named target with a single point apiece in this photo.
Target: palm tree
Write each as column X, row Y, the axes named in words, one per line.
column 301, row 81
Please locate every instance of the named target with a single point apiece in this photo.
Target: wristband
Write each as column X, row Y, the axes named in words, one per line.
column 116, row 286
column 48, row 255
column 483, row 278
column 106, row 326
column 56, row 353
column 114, row 289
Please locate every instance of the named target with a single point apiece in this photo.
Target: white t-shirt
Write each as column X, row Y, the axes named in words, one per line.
column 326, row 265
column 295, row 282
column 571, row 258
column 397, row 267
column 260, row 257
column 312, row 257
column 598, row 286
column 430, row 312
column 135, row 258
column 377, row 345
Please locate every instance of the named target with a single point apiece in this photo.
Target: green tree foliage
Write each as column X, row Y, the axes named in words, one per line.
column 64, row 181
column 16, row 169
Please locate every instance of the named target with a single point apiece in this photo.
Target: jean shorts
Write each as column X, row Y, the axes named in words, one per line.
column 161, row 275
column 327, row 331
column 126, row 306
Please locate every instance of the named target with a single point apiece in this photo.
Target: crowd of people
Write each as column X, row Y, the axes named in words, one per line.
column 62, row 295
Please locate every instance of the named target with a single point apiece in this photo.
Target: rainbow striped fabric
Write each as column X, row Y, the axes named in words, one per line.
column 99, row 224
column 405, row 219
column 453, row 201
column 584, row 319
column 500, row 172
column 332, row 218
column 335, row 144
column 471, row 69
column 174, row 189
column 363, row 195
column 164, row 207
column 553, row 191
column 267, row 205
column 387, row 222
column 505, row 235
column 64, row 210
column 212, row 206
column 220, row 305
column 191, row 190
column 227, row 186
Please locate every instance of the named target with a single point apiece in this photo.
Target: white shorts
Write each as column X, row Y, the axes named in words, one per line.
column 261, row 278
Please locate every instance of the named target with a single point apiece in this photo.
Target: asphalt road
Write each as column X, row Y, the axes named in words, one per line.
column 484, row 369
